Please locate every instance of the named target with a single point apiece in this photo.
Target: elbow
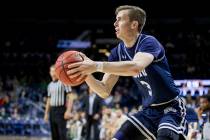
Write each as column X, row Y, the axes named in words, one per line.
column 136, row 70
column 105, row 92
column 104, row 95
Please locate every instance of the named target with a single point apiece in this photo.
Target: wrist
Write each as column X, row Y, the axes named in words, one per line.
column 68, row 109
column 99, row 66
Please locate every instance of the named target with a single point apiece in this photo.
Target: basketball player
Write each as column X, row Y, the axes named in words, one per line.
column 142, row 57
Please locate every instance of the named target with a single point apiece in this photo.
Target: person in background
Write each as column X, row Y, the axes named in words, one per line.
column 93, row 106
column 203, row 110
column 58, row 106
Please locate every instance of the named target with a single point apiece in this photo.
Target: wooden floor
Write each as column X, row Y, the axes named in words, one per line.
column 23, row 138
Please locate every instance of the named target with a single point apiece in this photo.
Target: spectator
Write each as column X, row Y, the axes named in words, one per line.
column 203, row 110
column 93, row 105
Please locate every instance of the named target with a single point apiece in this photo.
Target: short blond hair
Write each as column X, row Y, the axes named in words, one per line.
column 135, row 14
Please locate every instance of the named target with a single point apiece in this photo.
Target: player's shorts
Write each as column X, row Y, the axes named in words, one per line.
column 154, row 118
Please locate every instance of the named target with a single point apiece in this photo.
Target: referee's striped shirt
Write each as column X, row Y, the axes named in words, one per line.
column 57, row 92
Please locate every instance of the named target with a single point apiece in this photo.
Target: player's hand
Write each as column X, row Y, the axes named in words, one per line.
column 83, row 68
column 46, row 118
column 68, row 115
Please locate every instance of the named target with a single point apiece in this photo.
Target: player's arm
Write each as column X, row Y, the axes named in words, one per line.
column 124, row 68
column 47, row 109
column 102, row 88
column 129, row 68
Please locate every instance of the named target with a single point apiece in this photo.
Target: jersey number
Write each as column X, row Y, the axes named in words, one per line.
column 145, row 84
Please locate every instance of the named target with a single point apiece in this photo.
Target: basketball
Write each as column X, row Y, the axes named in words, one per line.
column 61, row 67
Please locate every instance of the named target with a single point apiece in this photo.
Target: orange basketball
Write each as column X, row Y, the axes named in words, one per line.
column 61, row 67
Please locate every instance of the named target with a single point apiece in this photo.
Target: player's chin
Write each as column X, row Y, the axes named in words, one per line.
column 117, row 35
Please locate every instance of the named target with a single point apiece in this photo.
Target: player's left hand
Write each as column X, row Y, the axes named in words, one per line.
column 83, row 68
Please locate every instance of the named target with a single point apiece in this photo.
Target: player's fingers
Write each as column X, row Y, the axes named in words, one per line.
column 81, row 78
column 72, row 71
column 75, row 75
column 73, row 65
column 83, row 55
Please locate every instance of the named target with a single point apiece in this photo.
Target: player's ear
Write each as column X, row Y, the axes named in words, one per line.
column 134, row 24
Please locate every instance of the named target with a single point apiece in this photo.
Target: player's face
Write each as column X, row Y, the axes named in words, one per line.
column 122, row 24
column 52, row 74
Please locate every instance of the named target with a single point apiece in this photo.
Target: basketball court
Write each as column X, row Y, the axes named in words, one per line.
column 23, row 138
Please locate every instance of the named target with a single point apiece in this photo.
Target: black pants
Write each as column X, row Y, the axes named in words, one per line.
column 92, row 128
column 58, row 123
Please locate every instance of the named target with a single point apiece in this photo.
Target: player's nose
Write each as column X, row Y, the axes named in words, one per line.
column 115, row 23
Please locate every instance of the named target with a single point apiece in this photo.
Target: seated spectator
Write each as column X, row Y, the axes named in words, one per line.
column 203, row 109
column 118, row 120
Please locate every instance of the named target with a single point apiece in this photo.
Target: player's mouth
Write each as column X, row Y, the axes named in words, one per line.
column 116, row 31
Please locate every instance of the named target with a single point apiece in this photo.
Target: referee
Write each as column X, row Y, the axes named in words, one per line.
column 58, row 106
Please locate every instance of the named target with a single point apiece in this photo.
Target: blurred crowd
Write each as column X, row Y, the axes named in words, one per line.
column 25, row 104
column 31, row 56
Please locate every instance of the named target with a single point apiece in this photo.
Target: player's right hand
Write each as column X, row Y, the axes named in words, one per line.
column 82, row 68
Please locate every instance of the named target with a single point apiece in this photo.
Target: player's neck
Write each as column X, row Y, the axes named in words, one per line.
column 130, row 40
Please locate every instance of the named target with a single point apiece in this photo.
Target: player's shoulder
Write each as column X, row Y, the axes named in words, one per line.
column 115, row 49
column 147, row 38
